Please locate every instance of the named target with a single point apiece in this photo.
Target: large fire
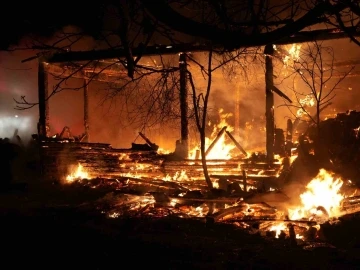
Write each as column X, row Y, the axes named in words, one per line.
column 221, row 149
column 321, row 199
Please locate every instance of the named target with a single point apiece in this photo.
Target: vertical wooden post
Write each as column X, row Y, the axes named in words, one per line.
column 184, row 105
column 43, row 95
column 86, row 110
column 237, row 111
column 269, row 112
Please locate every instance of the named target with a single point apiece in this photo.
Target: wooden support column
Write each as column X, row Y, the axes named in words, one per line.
column 184, row 105
column 43, row 95
column 86, row 110
column 269, row 112
column 237, row 129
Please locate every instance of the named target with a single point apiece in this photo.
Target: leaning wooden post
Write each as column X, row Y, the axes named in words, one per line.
column 43, row 95
column 269, row 113
column 184, row 105
column 244, row 180
column 86, row 110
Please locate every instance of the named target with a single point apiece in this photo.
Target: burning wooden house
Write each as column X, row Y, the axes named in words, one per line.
column 61, row 152
column 176, row 181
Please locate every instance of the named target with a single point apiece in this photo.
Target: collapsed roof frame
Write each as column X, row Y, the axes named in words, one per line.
column 47, row 61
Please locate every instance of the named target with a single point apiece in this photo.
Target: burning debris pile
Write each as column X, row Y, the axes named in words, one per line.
column 247, row 190
column 323, row 201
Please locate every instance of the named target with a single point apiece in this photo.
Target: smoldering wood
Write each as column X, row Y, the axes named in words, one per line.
column 101, row 160
column 242, row 210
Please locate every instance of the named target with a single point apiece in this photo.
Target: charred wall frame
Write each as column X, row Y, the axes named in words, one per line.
column 301, row 37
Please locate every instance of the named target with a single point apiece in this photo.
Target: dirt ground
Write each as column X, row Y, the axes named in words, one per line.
column 54, row 227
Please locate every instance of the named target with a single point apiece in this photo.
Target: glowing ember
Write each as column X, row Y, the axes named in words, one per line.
column 322, row 198
column 79, row 173
column 178, row 176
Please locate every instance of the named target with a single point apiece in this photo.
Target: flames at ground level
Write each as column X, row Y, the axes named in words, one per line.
column 323, row 200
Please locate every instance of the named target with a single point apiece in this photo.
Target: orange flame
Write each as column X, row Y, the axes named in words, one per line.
column 77, row 174
column 222, row 149
column 323, row 192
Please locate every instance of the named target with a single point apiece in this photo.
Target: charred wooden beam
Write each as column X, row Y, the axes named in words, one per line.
column 43, row 124
column 300, row 37
column 236, row 143
column 150, row 143
column 281, row 94
column 269, row 111
column 101, row 71
column 184, row 106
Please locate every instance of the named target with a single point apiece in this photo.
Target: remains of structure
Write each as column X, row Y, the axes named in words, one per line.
column 105, row 161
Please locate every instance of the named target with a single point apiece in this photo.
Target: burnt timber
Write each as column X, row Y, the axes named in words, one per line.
column 100, row 160
column 301, row 37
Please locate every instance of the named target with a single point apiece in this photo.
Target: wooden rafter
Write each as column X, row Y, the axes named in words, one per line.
column 301, row 37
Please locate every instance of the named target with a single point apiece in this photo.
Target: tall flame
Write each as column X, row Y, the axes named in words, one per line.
column 323, row 192
column 222, row 149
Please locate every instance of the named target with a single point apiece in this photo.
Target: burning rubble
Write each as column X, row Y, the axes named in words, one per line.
column 248, row 190
column 322, row 201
